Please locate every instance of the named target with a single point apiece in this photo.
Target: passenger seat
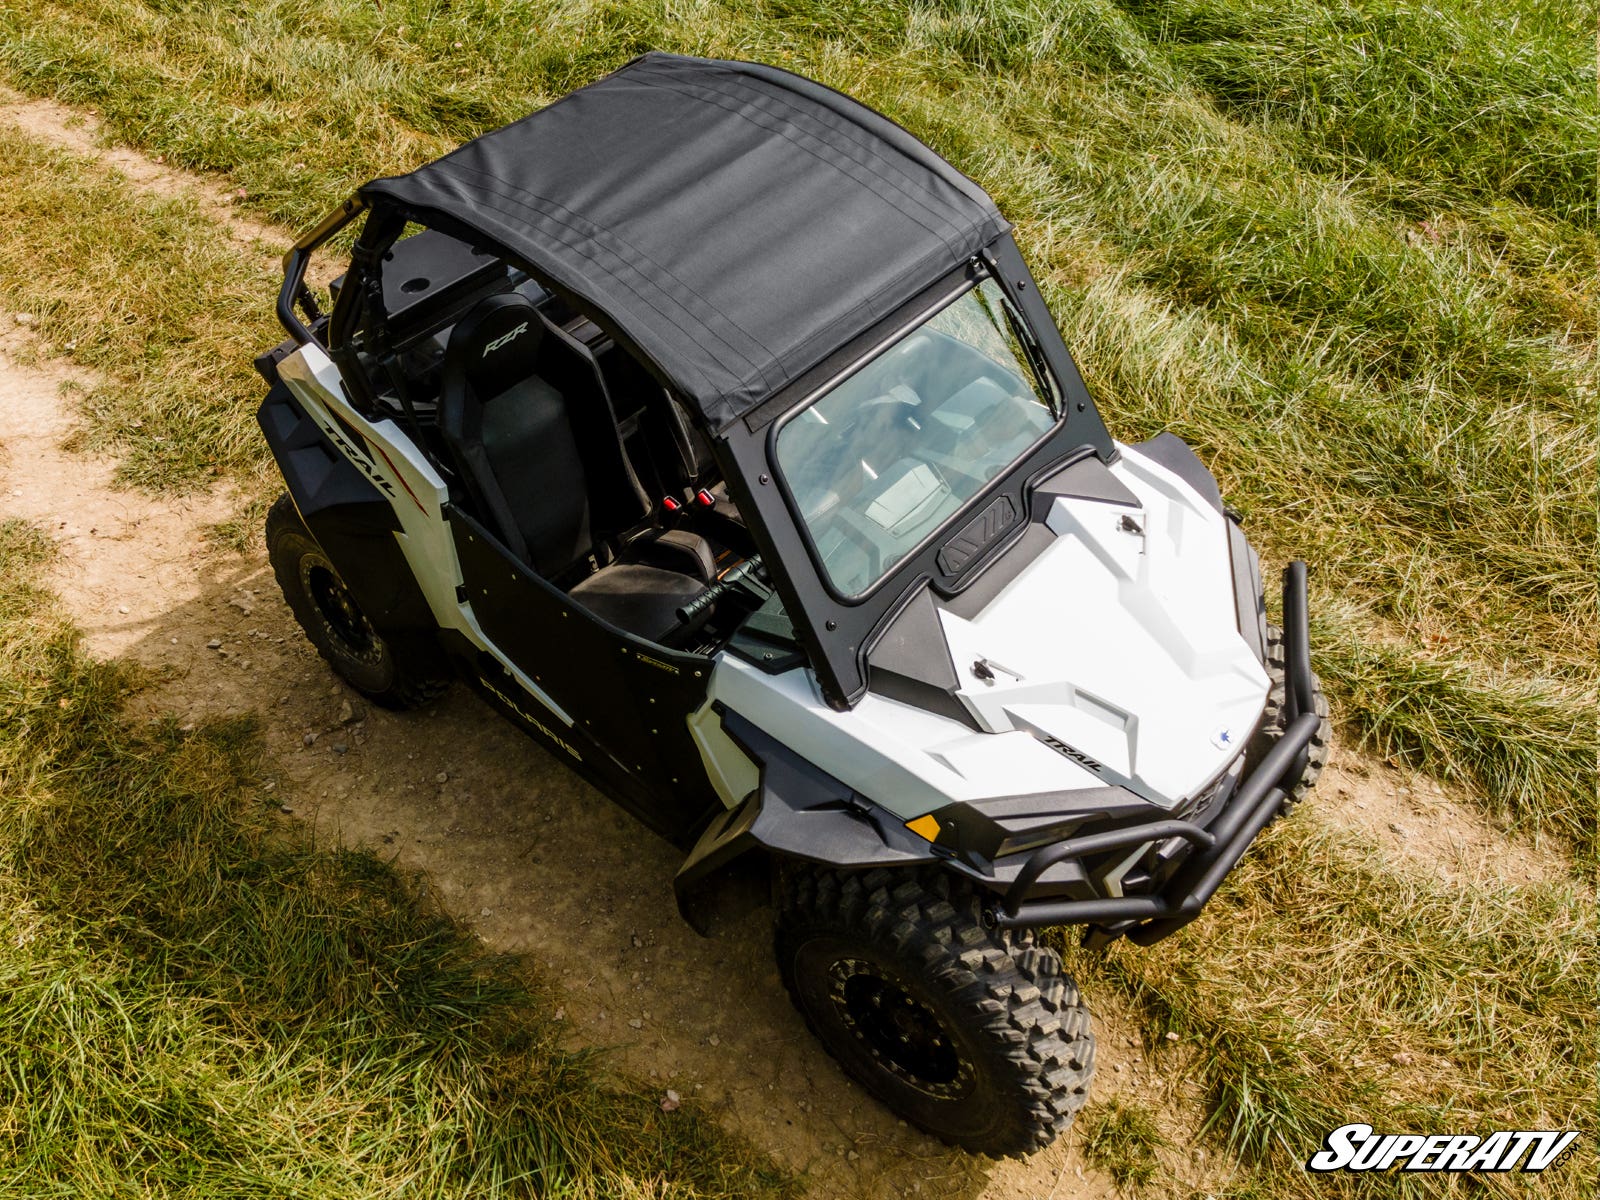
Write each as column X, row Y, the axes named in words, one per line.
column 511, row 435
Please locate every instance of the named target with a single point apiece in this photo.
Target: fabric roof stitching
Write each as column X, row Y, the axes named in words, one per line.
column 795, row 118
column 514, row 206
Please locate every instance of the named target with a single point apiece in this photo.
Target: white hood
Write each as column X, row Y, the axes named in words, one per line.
column 1120, row 641
column 1129, row 654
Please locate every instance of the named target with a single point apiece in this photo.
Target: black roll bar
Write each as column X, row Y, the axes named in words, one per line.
column 294, row 290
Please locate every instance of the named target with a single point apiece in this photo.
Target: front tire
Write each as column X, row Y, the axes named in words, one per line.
column 1272, row 719
column 394, row 671
column 974, row 1036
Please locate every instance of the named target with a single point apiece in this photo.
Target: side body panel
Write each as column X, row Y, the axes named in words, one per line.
column 348, row 513
column 631, row 698
column 408, row 540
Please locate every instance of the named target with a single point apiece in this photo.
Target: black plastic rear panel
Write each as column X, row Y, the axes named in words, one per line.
column 350, row 518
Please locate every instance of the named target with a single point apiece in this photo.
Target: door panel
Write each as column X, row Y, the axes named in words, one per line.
column 632, row 697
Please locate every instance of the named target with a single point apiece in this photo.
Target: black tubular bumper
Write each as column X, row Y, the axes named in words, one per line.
column 1217, row 848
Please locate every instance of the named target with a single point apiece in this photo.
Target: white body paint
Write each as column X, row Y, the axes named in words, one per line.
column 1124, row 646
column 417, row 494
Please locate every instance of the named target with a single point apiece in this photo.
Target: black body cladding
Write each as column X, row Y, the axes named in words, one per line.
column 352, row 520
column 911, row 661
column 1172, row 453
column 798, row 812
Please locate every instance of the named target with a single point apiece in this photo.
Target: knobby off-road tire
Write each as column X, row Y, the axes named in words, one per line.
column 394, row 671
column 1277, row 701
column 973, row 1035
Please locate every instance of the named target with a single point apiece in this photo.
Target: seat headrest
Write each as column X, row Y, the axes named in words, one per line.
column 496, row 345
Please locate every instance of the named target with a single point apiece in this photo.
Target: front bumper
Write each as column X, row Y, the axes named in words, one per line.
column 1216, row 848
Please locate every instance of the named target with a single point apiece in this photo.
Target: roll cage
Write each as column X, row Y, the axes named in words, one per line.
column 837, row 633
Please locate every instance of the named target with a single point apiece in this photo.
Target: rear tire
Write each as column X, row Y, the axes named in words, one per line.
column 1277, row 702
column 392, row 670
column 974, row 1036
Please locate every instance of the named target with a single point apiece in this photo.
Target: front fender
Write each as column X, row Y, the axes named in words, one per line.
column 797, row 812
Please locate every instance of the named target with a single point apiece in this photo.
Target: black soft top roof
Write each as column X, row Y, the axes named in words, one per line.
column 734, row 222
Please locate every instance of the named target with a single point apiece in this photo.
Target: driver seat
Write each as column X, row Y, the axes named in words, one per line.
column 512, row 435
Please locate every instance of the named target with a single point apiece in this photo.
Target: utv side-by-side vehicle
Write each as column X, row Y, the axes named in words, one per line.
column 712, row 428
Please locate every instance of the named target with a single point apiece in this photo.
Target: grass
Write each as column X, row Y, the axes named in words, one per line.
column 1346, row 251
column 1527, row 746
column 1409, row 1003
column 1121, row 1138
column 1489, row 101
column 195, row 1000
column 152, row 296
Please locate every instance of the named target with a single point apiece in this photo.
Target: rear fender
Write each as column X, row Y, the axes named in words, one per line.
column 375, row 503
column 347, row 510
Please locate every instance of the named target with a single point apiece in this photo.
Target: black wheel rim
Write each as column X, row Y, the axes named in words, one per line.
column 342, row 619
column 904, row 1036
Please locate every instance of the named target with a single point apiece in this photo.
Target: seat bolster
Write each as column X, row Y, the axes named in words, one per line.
column 677, row 550
column 641, row 599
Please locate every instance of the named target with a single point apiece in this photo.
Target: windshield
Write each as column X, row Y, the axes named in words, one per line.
column 880, row 460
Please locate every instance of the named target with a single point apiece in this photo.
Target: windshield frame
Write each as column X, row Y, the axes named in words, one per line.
column 1033, row 359
column 837, row 637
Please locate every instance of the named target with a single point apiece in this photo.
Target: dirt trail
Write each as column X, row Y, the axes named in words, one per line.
column 533, row 858
column 74, row 129
column 1416, row 820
